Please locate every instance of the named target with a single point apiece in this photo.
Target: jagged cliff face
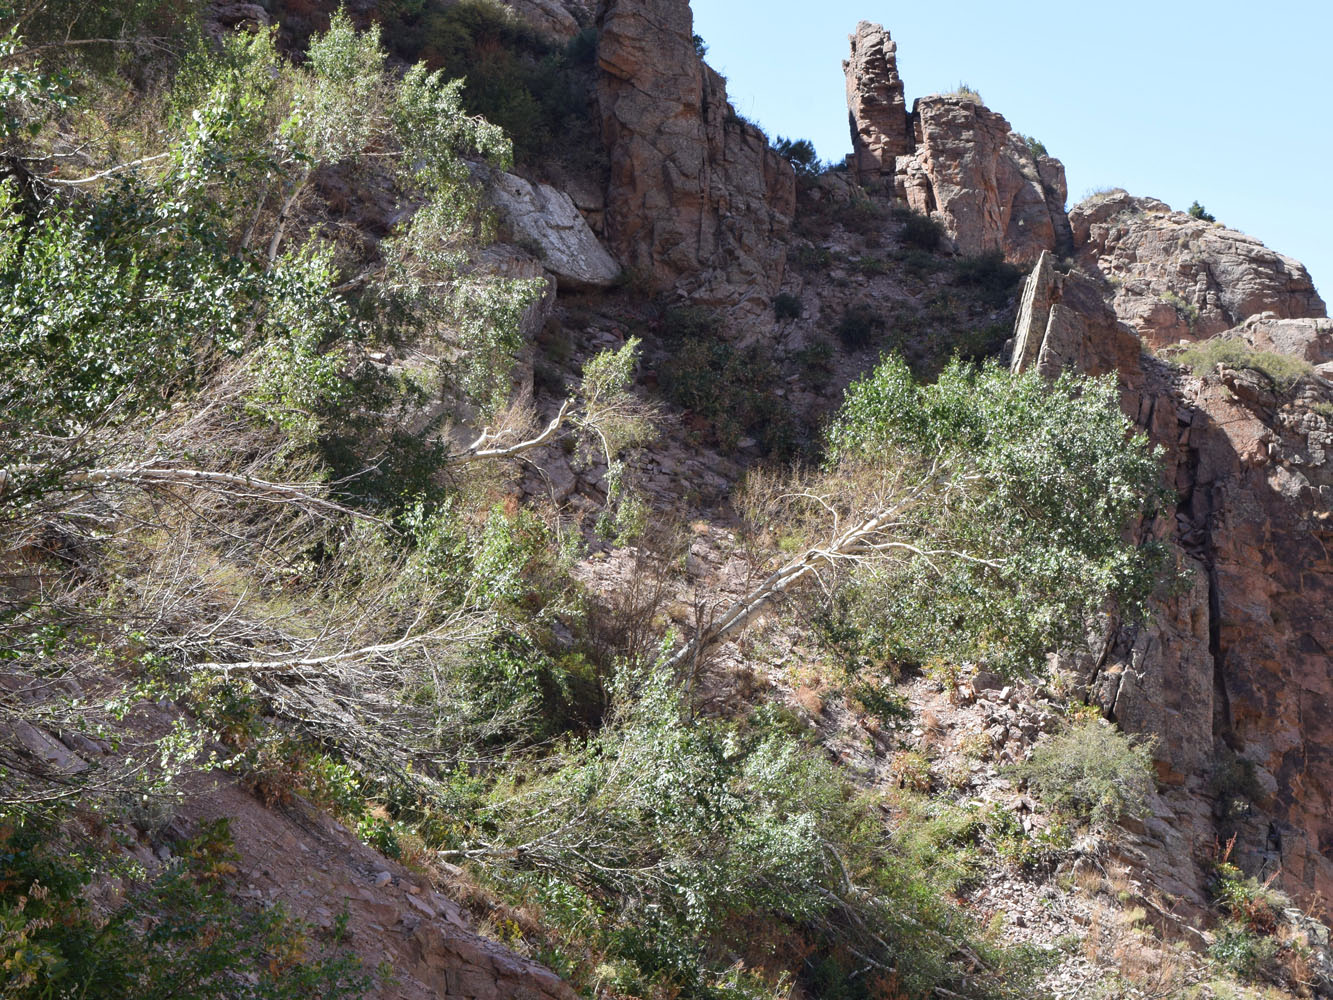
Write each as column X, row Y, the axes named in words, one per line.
column 952, row 158
column 1175, row 277
column 1236, row 664
column 876, row 104
column 697, row 200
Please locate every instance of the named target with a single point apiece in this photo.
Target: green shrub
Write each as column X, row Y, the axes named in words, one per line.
column 815, row 362
column 1035, row 146
column 731, row 389
column 1203, row 357
column 1186, row 310
column 967, row 93
column 682, row 848
column 1243, row 953
column 992, row 277
column 870, row 266
column 1049, row 478
column 1199, row 212
column 859, row 326
column 860, row 215
column 978, row 343
column 538, row 92
column 812, row 258
column 920, row 231
column 800, row 153
column 940, row 838
column 787, row 306
column 1092, row 772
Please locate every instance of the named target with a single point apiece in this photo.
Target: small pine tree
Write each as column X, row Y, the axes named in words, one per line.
column 1199, row 212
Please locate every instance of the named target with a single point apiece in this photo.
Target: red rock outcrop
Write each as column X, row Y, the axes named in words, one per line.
column 1237, row 665
column 697, row 199
column 297, row 856
column 1308, row 339
column 1064, row 324
column 981, row 180
column 558, row 18
column 876, row 105
column 1175, row 277
column 952, row 158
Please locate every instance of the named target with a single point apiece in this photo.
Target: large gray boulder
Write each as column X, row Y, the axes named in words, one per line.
column 547, row 221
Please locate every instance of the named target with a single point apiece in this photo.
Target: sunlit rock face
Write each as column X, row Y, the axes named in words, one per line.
column 952, row 158
column 1174, row 277
column 697, row 199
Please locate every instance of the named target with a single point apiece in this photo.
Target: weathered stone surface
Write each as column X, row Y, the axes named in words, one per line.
column 557, row 18
column 1179, row 278
column 1063, row 324
column 318, row 870
column 697, row 199
column 1308, row 339
column 952, row 158
column 548, row 220
column 222, row 16
column 877, row 108
column 979, row 178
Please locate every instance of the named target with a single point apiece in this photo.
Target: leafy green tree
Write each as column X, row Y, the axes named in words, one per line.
column 987, row 517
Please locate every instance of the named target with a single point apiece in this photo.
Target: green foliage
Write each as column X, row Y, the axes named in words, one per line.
column 1243, row 953
column 860, row 326
column 812, row 258
column 920, row 231
column 730, row 388
column 1092, row 772
column 28, row 96
column 1043, row 481
column 860, row 215
column 176, row 934
column 1185, row 309
column 142, row 290
column 538, row 93
column 1203, row 357
column 800, row 153
column 670, row 843
column 1035, row 146
column 815, row 362
column 1199, row 212
column 994, row 279
column 700, row 46
column 787, row 306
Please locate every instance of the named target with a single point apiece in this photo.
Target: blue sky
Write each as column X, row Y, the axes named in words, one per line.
column 1230, row 103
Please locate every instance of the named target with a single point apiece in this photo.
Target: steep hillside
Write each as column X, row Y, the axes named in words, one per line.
column 535, row 536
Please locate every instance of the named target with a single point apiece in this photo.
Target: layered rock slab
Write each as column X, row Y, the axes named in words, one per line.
column 322, row 875
column 876, row 105
column 976, row 175
column 547, row 220
column 1174, row 277
column 697, row 200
